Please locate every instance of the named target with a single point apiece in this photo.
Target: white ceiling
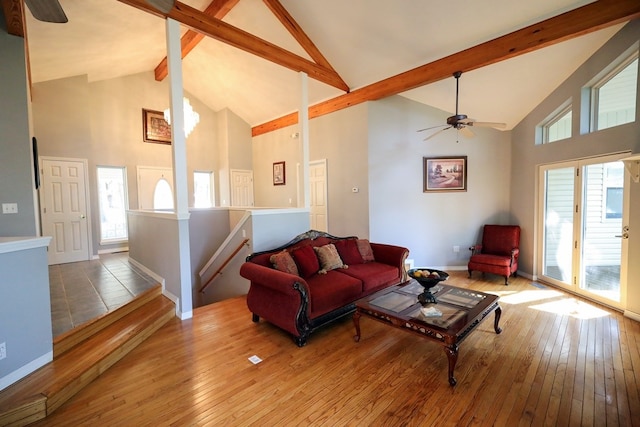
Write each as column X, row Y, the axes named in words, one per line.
column 364, row 40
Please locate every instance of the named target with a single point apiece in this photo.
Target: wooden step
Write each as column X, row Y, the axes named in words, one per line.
column 45, row 390
column 70, row 339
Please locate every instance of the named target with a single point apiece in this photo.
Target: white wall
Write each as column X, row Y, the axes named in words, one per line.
column 102, row 121
column 341, row 139
column 25, row 310
column 430, row 224
column 16, row 170
column 269, row 148
column 527, row 156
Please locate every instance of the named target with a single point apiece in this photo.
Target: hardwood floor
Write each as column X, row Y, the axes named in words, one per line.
column 559, row 361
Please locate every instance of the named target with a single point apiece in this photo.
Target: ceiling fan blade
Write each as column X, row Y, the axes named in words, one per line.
column 47, row 11
column 488, row 124
column 466, row 132
column 431, row 127
column 436, row 133
column 163, row 6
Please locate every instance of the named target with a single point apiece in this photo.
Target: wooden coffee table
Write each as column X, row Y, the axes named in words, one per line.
column 462, row 311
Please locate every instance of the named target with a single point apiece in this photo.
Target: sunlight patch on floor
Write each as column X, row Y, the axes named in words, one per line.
column 524, row 297
column 572, row 307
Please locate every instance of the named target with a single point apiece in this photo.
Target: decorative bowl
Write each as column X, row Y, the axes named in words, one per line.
column 428, row 281
column 428, row 278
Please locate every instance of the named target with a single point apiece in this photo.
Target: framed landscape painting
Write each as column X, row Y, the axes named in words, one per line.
column 445, row 173
column 155, row 128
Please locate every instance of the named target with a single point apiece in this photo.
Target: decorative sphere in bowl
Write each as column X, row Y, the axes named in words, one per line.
column 427, row 277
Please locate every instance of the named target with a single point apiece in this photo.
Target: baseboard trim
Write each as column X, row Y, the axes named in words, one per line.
column 632, row 315
column 25, row 370
column 149, row 272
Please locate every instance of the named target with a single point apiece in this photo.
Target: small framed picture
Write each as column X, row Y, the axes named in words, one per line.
column 155, row 128
column 445, row 173
column 279, row 177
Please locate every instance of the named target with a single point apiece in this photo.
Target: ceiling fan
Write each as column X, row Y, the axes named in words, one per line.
column 461, row 121
column 51, row 10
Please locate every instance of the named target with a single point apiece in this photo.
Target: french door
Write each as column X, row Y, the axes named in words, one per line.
column 584, row 219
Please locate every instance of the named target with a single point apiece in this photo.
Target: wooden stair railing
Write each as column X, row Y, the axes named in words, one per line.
column 224, row 264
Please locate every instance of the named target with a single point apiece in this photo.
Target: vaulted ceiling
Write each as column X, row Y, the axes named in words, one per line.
column 353, row 50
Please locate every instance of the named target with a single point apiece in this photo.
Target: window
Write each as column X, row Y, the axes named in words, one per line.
column 163, row 196
column 558, row 126
column 614, row 97
column 112, row 200
column 203, row 196
column 613, row 184
column 614, row 202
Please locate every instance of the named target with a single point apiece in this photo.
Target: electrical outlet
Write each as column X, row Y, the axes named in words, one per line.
column 456, row 249
column 9, row 208
column 3, row 350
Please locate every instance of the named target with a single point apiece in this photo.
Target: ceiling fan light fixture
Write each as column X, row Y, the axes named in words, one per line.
column 191, row 118
column 461, row 121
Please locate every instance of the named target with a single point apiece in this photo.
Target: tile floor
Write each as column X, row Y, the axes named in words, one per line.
column 82, row 291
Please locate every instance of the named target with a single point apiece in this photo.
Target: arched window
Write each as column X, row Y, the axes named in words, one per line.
column 163, row 196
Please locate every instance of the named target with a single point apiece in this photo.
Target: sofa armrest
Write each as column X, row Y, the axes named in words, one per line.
column 515, row 253
column 271, row 278
column 391, row 255
column 476, row 249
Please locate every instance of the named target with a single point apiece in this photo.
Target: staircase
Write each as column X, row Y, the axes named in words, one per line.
column 81, row 355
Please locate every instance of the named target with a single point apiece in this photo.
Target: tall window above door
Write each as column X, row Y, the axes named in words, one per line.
column 112, row 199
column 613, row 97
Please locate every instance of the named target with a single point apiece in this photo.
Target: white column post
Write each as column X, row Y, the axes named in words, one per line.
column 303, row 122
column 178, row 139
column 179, row 149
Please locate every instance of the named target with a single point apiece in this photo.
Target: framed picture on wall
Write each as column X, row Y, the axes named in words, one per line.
column 279, row 177
column 155, row 128
column 444, row 173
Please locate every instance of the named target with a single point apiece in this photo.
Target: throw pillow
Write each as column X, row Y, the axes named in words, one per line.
column 329, row 258
column 284, row 262
column 365, row 250
column 306, row 260
column 348, row 251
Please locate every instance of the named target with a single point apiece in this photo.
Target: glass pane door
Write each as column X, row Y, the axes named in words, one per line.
column 601, row 252
column 558, row 224
column 583, row 227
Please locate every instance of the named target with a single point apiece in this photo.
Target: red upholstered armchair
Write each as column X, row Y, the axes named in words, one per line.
column 498, row 253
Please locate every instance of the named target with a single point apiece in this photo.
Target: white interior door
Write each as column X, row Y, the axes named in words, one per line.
column 150, row 179
column 64, row 210
column 318, row 195
column 241, row 187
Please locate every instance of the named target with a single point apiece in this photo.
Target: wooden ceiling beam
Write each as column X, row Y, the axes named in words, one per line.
column 583, row 20
column 217, row 9
column 13, row 11
column 221, row 31
column 298, row 33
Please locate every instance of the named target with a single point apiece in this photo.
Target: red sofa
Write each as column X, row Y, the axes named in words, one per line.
column 310, row 296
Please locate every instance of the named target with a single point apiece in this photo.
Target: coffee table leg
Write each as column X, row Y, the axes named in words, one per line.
column 356, row 322
column 452, row 355
column 497, row 328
